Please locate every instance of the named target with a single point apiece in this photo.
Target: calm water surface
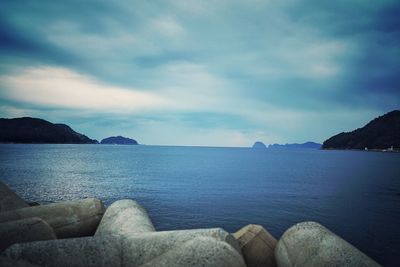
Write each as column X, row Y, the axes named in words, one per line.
column 355, row 194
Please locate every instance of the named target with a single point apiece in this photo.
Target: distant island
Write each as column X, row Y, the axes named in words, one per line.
column 307, row 145
column 259, row 145
column 37, row 131
column 382, row 133
column 118, row 140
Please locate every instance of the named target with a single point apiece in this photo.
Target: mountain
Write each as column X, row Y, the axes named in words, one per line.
column 118, row 140
column 33, row 130
column 307, row 145
column 380, row 133
column 259, row 145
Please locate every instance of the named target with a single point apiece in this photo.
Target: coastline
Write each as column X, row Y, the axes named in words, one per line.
column 363, row 150
column 241, row 147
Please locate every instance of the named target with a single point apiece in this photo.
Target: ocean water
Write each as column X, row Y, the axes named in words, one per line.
column 354, row 194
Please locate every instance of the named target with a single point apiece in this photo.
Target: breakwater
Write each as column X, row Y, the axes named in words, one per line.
column 85, row 233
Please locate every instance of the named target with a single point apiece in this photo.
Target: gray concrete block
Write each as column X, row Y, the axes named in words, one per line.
column 257, row 246
column 70, row 252
column 9, row 200
column 145, row 247
column 111, row 250
column 7, row 262
column 200, row 251
column 25, row 230
column 68, row 219
column 126, row 237
column 125, row 217
column 311, row 244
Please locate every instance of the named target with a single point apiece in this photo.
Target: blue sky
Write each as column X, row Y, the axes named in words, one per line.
column 220, row 73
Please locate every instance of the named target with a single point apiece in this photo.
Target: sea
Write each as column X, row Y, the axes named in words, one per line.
column 355, row 194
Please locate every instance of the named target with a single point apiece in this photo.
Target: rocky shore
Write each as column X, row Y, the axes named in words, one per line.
column 85, row 233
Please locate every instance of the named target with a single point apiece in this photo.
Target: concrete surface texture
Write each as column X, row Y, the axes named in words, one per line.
column 125, row 217
column 7, row 262
column 9, row 200
column 68, row 219
column 145, row 247
column 134, row 250
column 200, row 251
column 30, row 229
column 311, row 244
column 82, row 251
column 257, row 246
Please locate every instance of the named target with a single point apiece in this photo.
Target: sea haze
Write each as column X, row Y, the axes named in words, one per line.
column 355, row 194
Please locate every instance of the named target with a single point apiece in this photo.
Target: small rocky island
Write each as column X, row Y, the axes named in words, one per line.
column 306, row 145
column 118, row 140
column 37, row 131
column 382, row 133
column 259, row 145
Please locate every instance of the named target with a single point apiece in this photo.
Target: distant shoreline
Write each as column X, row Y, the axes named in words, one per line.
column 363, row 150
column 267, row 149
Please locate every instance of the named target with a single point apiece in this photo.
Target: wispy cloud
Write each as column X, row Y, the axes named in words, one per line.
column 60, row 87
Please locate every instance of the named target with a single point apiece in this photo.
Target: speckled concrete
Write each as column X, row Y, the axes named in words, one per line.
column 30, row 229
column 129, row 250
column 257, row 246
column 125, row 217
column 68, row 219
column 311, row 244
column 9, row 200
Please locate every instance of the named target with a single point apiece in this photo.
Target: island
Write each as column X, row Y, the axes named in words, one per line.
column 28, row 130
column 382, row 133
column 259, row 145
column 118, row 140
column 306, row 145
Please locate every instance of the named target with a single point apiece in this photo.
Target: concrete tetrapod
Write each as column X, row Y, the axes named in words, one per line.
column 146, row 247
column 9, row 200
column 200, row 251
column 125, row 217
column 7, row 262
column 128, row 219
column 69, row 252
column 68, row 219
column 126, row 237
column 311, row 244
column 114, row 250
column 257, row 246
column 30, row 229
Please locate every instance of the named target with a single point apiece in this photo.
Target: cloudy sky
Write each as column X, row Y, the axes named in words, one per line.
column 220, row 73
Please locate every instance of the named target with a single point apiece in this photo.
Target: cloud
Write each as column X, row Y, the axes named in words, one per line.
column 60, row 87
column 167, row 26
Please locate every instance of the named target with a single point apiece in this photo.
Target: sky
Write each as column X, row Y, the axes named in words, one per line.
column 212, row 73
